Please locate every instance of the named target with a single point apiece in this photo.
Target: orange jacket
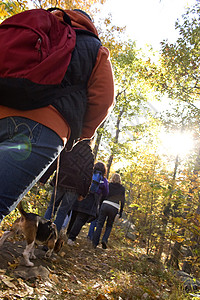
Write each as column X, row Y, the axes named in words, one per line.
column 100, row 93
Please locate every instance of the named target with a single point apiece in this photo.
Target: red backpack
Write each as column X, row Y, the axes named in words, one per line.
column 35, row 51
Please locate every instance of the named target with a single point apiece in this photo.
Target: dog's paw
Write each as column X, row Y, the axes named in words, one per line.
column 29, row 264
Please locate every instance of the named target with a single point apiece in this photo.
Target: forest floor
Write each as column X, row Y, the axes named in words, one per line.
column 122, row 272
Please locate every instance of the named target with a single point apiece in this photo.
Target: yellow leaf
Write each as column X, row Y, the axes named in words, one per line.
column 13, row 266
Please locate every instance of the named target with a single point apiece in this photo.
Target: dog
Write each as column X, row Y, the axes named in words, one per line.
column 37, row 230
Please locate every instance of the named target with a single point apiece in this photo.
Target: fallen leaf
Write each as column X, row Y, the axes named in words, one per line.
column 96, row 285
column 101, row 297
column 8, row 283
column 13, row 266
column 62, row 254
column 54, row 278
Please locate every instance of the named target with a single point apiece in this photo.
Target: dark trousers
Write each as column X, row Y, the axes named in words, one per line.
column 78, row 220
column 107, row 213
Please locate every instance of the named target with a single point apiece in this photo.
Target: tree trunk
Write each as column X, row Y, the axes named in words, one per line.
column 187, row 266
column 98, row 139
column 110, row 160
column 173, row 261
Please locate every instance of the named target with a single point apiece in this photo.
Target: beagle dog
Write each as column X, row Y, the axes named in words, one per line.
column 37, row 230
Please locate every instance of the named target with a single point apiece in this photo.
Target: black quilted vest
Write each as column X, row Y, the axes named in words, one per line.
column 72, row 106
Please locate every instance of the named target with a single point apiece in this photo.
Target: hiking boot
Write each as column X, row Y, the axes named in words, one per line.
column 104, row 246
column 93, row 245
column 70, row 242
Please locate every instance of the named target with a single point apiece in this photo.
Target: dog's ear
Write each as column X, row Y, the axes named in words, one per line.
column 21, row 209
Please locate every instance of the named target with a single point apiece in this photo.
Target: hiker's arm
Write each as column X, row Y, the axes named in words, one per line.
column 80, row 198
column 105, row 189
column 100, row 94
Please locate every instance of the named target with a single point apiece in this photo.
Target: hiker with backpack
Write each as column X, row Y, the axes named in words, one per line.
column 50, row 97
column 87, row 210
column 111, row 206
column 72, row 181
column 96, row 178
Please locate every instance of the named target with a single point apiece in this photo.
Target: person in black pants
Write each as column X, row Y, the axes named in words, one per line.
column 109, row 209
column 74, row 180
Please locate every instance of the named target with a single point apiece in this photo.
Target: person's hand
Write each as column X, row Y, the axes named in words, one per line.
column 80, row 198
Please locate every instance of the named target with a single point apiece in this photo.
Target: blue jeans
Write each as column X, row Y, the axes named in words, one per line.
column 107, row 213
column 27, row 149
column 93, row 224
column 66, row 220
column 63, row 203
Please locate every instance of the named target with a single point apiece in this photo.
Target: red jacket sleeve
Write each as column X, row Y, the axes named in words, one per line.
column 100, row 94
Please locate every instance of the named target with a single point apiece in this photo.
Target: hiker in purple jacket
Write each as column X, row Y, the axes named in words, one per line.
column 87, row 210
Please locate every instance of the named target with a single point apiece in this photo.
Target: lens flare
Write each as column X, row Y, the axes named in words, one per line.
column 19, row 148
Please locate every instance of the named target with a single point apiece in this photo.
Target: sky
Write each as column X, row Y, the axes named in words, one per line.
column 148, row 21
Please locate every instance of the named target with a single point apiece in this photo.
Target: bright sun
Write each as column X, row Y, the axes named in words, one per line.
column 177, row 143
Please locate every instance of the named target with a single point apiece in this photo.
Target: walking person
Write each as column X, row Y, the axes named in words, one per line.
column 87, row 210
column 74, row 179
column 92, row 227
column 30, row 140
column 110, row 207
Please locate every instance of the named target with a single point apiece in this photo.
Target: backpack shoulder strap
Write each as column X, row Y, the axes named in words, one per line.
column 67, row 20
column 82, row 31
column 66, row 17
